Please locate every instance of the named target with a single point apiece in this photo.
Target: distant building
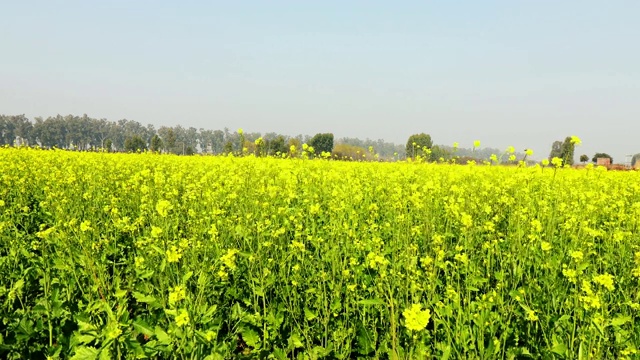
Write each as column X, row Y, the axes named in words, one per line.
column 603, row 161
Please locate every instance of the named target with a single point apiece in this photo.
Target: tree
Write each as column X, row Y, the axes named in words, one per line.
column 277, row 146
column 228, row 148
column 134, row 143
column 322, row 143
column 101, row 129
column 439, row 152
column 417, row 144
column 601, row 155
column 568, row 149
column 107, row 144
column 156, row 143
column 15, row 130
column 170, row 140
column 556, row 150
column 584, row 158
column 635, row 159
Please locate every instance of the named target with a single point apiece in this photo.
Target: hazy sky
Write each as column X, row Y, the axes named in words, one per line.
column 515, row 72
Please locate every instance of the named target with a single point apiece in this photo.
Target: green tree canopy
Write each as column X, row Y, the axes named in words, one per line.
column 568, row 149
column 556, row 150
column 277, row 145
column 417, row 144
column 134, row 143
column 584, row 158
column 601, row 155
column 156, row 143
column 322, row 143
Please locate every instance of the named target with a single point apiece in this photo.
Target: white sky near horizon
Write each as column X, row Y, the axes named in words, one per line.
column 521, row 73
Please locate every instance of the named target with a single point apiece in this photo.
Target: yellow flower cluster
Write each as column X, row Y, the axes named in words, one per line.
column 177, row 293
column 416, row 319
column 174, row 254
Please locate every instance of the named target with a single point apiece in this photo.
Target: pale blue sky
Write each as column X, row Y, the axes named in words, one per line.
column 520, row 73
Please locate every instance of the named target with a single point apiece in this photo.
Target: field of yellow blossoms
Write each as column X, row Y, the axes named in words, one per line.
column 108, row 256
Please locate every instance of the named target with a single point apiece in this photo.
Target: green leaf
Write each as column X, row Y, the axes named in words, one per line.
column 203, row 280
column 85, row 353
column 142, row 298
column 295, row 342
column 580, row 352
column 143, row 328
column 369, row 302
column 157, row 249
column 105, row 354
column 320, row 352
column 146, row 274
column 134, row 346
column 525, row 307
column 187, row 276
column 559, row 348
column 251, row 338
column 525, row 352
column 365, row 340
column 620, row 320
column 309, row 315
column 258, row 291
column 214, row 356
column 583, row 266
column 162, row 336
column 279, row 354
column 207, row 316
column 446, row 353
column 82, row 339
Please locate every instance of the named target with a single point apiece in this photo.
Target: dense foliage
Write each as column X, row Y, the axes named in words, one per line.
column 602, row 156
column 144, row 255
column 322, row 143
column 419, row 145
column 84, row 133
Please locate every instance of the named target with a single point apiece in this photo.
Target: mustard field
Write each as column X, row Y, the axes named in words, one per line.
column 133, row 256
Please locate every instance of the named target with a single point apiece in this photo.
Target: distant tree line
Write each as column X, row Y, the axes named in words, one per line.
column 86, row 133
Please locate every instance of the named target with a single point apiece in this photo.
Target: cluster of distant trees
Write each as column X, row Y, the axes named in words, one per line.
column 421, row 145
column 86, row 133
column 565, row 150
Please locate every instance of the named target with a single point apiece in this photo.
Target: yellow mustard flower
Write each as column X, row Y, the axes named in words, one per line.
column 605, row 280
column 177, row 293
column 416, row 319
column 163, row 207
column 173, row 254
column 156, row 232
column 182, row 318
